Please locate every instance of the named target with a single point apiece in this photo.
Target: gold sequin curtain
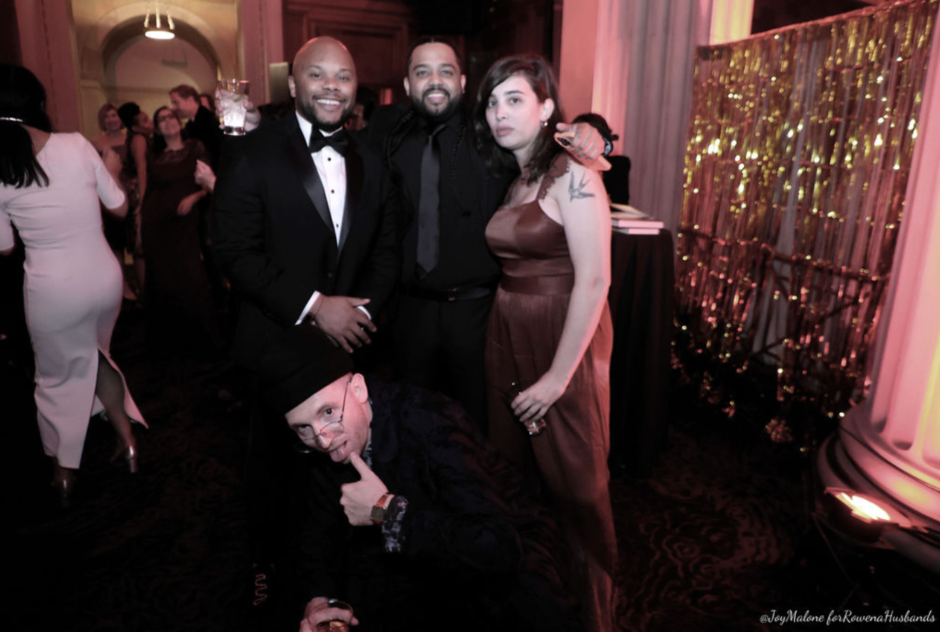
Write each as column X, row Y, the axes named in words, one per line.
column 799, row 151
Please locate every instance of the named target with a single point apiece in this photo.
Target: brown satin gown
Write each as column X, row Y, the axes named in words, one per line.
column 569, row 459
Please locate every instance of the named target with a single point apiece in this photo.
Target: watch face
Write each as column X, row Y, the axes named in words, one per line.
column 378, row 513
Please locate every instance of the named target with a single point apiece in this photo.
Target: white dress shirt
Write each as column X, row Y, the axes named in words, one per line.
column 331, row 167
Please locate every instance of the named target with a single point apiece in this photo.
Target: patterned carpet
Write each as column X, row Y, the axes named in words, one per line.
column 721, row 533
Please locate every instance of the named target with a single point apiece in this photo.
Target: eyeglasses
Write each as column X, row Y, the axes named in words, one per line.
column 330, row 425
column 160, row 119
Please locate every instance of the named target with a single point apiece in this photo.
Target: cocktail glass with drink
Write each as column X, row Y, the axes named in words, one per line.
column 336, row 625
column 232, row 103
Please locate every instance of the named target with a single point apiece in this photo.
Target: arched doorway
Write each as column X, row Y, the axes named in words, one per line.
column 116, row 63
column 135, row 68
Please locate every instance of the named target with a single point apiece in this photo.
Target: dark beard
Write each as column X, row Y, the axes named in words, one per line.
column 310, row 114
column 437, row 117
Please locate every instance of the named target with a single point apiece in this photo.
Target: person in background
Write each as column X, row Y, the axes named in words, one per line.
column 205, row 176
column 118, row 231
column 207, row 101
column 179, row 300
column 550, row 334
column 50, row 188
column 366, row 100
column 134, row 174
column 617, row 179
column 201, row 123
column 112, row 131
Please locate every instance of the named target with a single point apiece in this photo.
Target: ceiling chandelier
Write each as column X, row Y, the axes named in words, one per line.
column 157, row 28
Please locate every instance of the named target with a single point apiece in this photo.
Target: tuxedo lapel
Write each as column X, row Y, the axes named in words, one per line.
column 302, row 161
column 354, row 178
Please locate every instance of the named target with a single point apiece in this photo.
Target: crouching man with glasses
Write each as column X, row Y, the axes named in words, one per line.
column 411, row 517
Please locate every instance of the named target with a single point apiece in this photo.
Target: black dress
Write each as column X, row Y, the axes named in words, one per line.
column 178, row 294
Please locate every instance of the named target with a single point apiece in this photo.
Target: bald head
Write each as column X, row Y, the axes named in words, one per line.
column 323, row 83
column 320, row 47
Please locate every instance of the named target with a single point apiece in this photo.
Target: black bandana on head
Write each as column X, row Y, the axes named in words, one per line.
column 298, row 363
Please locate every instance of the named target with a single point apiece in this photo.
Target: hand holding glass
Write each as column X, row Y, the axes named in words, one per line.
column 533, row 426
column 336, row 625
column 232, row 105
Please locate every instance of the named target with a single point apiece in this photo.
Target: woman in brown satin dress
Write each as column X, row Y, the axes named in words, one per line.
column 550, row 329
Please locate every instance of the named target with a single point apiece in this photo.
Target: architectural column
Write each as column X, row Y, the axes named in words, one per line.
column 47, row 44
column 888, row 446
column 900, row 422
column 578, row 55
column 632, row 62
column 262, row 43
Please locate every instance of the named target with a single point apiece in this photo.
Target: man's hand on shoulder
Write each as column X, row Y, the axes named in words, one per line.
column 318, row 610
column 341, row 319
column 586, row 142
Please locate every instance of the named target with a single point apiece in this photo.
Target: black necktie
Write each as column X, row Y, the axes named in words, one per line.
column 338, row 141
column 429, row 215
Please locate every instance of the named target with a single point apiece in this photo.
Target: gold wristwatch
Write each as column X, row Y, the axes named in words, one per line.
column 378, row 510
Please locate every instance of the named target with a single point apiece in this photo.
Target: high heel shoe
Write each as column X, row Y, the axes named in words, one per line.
column 129, row 455
column 63, row 484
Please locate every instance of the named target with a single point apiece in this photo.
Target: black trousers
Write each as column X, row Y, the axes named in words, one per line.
column 439, row 346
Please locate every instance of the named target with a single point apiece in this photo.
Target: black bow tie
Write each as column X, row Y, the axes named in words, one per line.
column 338, row 141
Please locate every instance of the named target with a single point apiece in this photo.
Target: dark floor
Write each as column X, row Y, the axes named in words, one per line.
column 720, row 535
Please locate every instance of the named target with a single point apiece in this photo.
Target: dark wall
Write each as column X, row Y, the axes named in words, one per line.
column 510, row 27
column 775, row 14
column 9, row 35
column 482, row 31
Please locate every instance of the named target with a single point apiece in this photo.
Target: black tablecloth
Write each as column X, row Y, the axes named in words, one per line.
column 641, row 304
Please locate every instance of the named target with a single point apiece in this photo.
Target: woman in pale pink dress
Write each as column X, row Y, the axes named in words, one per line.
column 50, row 186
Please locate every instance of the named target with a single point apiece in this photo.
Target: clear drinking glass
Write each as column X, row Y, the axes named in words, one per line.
column 231, row 102
column 533, row 426
column 335, row 625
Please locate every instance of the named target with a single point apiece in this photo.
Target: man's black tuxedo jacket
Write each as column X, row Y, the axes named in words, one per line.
column 476, row 546
column 274, row 240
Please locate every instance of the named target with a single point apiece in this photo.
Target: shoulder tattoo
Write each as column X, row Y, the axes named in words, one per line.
column 576, row 191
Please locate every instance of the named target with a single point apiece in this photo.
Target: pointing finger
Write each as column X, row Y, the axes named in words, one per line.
column 360, row 465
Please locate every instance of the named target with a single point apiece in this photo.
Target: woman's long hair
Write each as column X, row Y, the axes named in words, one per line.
column 538, row 74
column 22, row 98
column 159, row 142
